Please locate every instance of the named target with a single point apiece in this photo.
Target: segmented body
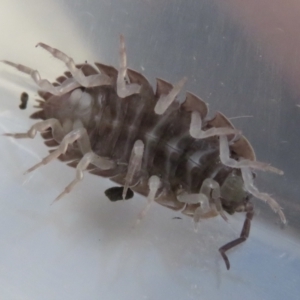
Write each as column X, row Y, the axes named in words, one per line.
column 114, row 124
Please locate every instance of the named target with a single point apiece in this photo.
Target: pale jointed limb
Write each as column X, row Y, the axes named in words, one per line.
column 134, row 165
column 86, row 160
column 166, row 100
column 154, row 184
column 79, row 135
column 197, row 132
column 249, row 186
column 210, row 189
column 78, row 75
column 203, row 209
column 57, row 130
column 67, row 86
column 230, row 162
column 123, row 88
column 246, row 166
column 243, row 237
column 70, row 138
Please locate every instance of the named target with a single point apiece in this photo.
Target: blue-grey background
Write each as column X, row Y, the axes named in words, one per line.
column 84, row 247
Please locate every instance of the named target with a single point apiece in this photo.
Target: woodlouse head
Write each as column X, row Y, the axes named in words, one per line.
column 233, row 194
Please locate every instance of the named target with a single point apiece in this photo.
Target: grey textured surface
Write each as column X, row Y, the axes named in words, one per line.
column 84, row 247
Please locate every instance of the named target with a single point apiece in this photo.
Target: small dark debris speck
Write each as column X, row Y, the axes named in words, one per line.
column 24, row 99
column 115, row 193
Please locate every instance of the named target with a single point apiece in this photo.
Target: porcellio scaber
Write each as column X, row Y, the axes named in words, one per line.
column 111, row 123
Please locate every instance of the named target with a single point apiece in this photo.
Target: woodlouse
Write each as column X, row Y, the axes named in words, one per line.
column 150, row 142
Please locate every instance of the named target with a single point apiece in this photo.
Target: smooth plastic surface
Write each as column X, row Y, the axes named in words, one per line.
column 84, row 246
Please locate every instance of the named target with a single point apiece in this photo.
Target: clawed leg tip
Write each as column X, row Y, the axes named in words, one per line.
column 225, row 218
column 57, row 198
column 227, row 265
column 183, row 81
column 31, row 169
column 7, row 62
column 196, row 227
column 267, row 167
column 136, row 224
column 28, row 171
column 283, row 220
column 40, row 45
column 274, row 170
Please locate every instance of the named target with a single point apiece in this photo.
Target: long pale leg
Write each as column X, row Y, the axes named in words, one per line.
column 124, row 89
column 203, row 209
column 212, row 187
column 243, row 237
column 79, row 135
column 154, row 184
column 166, row 100
column 197, row 132
column 88, row 158
column 209, row 189
column 227, row 161
column 67, row 86
column 249, row 186
column 57, row 130
column 86, row 81
column 134, row 165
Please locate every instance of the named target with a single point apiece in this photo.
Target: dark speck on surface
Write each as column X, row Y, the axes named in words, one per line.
column 24, row 99
column 115, row 193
